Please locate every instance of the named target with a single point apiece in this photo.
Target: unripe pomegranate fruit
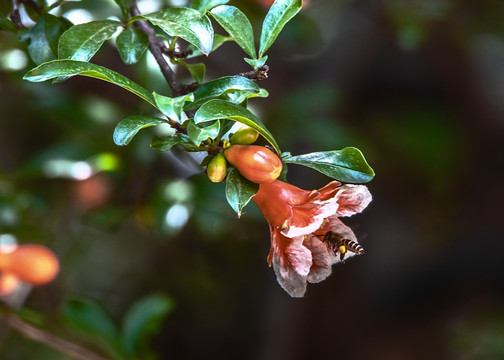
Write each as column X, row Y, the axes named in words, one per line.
column 34, row 264
column 244, row 136
column 216, row 169
column 256, row 163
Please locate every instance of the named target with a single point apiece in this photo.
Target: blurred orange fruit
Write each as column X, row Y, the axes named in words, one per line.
column 34, row 264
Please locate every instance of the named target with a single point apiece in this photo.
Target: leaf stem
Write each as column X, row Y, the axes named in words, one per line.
column 50, row 340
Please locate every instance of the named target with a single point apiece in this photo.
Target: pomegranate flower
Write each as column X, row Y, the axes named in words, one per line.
column 303, row 225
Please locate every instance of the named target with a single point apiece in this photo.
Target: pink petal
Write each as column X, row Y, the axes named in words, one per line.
column 309, row 217
column 299, row 257
column 322, row 259
column 291, row 261
column 289, row 280
column 352, row 199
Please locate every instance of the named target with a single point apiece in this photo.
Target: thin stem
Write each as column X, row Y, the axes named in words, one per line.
column 51, row 340
column 155, row 48
column 15, row 15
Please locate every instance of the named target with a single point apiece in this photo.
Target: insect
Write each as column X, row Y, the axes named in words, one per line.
column 338, row 243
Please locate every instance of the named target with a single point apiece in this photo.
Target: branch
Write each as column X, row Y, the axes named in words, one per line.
column 15, row 16
column 51, row 340
column 257, row 74
column 155, row 46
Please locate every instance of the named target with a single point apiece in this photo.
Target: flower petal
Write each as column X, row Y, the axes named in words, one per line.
column 291, row 261
column 289, row 280
column 322, row 259
column 352, row 199
column 308, row 217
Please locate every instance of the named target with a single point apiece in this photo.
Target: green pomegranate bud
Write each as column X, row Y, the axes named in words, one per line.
column 244, row 136
column 216, row 169
column 256, row 163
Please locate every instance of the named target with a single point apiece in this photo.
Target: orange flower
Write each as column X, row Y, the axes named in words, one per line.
column 299, row 220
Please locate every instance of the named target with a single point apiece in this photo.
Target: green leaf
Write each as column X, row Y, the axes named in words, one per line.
column 239, row 191
column 197, row 71
column 131, row 44
column 7, row 25
column 257, row 63
column 44, row 37
column 204, row 5
column 57, row 68
column 218, row 41
column 346, row 165
column 185, row 23
column 55, row 28
column 91, row 320
column 172, row 107
column 221, row 109
column 81, row 42
column 225, row 85
column 278, row 15
column 199, row 134
column 125, row 6
column 164, row 144
column 143, row 320
column 237, row 25
column 129, row 127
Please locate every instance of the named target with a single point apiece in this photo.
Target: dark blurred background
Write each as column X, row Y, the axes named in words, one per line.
column 416, row 85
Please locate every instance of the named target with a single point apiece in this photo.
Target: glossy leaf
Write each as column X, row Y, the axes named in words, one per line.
column 166, row 143
column 44, row 37
column 346, row 165
column 125, row 6
column 57, row 68
column 142, row 320
column 204, row 5
column 225, row 85
column 185, row 23
column 239, row 191
column 82, row 41
column 91, row 320
column 199, row 134
column 197, row 71
column 218, row 41
column 129, row 127
column 257, row 63
column 278, row 15
column 237, row 26
column 39, row 48
column 221, row 109
column 172, row 107
column 131, row 44
column 55, row 28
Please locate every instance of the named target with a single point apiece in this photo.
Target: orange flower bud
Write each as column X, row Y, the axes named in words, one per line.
column 216, row 169
column 256, row 163
column 244, row 136
column 34, row 264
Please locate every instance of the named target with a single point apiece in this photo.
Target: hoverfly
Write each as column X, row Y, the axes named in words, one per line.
column 338, row 243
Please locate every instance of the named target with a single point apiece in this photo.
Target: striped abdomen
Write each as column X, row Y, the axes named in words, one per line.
column 341, row 244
